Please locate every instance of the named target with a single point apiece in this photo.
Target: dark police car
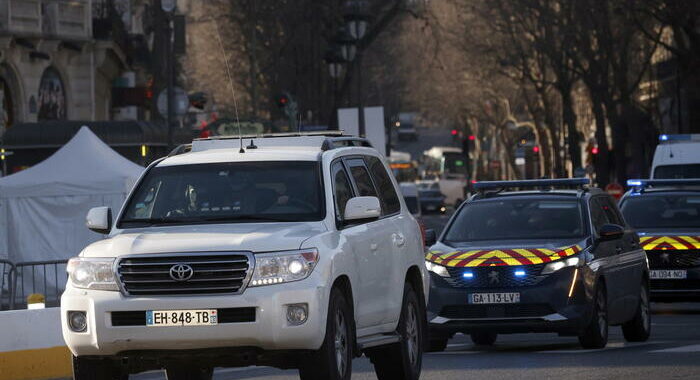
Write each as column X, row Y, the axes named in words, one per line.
column 555, row 256
column 666, row 213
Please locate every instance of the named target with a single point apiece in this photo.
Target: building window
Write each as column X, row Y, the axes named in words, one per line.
column 52, row 96
column 6, row 108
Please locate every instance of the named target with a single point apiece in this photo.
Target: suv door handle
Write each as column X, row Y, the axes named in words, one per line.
column 399, row 240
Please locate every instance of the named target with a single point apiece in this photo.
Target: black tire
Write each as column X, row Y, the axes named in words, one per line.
column 97, row 369
column 188, row 372
column 403, row 360
column 437, row 344
column 638, row 328
column 596, row 333
column 484, row 338
column 333, row 361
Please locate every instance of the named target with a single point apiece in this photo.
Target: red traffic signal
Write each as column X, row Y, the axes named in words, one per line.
column 536, row 149
column 594, row 150
column 282, row 101
column 472, row 137
column 454, row 132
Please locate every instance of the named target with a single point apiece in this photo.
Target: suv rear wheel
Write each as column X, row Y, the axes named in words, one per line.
column 333, row 361
column 97, row 369
column 639, row 328
column 403, row 360
column 596, row 334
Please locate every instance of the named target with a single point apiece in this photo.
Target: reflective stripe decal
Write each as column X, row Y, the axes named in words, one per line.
column 671, row 243
column 500, row 257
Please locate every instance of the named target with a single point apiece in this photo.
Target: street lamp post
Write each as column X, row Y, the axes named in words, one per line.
column 168, row 7
column 357, row 22
column 335, row 59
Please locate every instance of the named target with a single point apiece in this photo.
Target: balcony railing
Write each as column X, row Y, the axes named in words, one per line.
column 56, row 19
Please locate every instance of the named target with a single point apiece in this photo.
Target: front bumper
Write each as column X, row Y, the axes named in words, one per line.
column 269, row 331
column 544, row 307
column 677, row 290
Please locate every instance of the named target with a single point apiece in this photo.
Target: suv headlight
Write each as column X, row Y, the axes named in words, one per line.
column 92, row 273
column 284, row 266
column 560, row 264
column 437, row 269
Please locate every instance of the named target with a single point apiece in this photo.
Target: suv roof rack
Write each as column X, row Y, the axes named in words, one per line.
column 641, row 184
column 323, row 140
column 544, row 184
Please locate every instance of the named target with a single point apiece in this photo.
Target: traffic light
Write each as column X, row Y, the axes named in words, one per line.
column 472, row 138
column 594, row 150
column 454, row 132
column 535, row 149
column 283, row 100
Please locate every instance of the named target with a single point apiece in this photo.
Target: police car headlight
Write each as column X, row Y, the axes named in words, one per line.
column 560, row 264
column 92, row 273
column 285, row 266
column 437, row 269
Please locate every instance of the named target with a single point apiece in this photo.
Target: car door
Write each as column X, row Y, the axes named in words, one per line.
column 371, row 243
column 606, row 253
column 396, row 258
column 631, row 260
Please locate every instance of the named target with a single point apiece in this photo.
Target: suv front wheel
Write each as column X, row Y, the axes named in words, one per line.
column 333, row 361
column 403, row 360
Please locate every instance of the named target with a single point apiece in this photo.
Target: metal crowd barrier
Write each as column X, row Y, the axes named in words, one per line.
column 7, row 271
column 43, row 277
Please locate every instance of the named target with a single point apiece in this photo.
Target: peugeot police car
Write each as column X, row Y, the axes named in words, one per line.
column 555, row 256
column 666, row 213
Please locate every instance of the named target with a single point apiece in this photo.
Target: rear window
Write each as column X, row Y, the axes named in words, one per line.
column 677, row 171
column 662, row 211
column 517, row 219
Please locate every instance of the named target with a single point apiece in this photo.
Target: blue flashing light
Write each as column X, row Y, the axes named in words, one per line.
column 634, row 182
column 663, row 138
column 519, row 273
column 468, row 275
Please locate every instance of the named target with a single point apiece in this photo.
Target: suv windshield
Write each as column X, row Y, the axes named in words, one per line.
column 517, row 219
column 663, row 211
column 677, row 171
column 227, row 192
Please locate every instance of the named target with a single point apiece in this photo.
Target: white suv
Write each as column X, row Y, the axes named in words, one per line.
column 294, row 252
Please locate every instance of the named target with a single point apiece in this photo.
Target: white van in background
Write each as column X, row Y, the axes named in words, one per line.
column 677, row 156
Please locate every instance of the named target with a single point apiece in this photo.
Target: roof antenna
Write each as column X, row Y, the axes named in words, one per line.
column 230, row 82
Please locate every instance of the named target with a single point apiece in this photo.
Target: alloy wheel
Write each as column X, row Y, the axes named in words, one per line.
column 341, row 343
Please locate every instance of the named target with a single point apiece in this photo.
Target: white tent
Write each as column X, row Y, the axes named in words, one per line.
column 43, row 208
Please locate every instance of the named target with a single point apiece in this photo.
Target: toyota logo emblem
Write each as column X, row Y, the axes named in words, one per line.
column 181, row 272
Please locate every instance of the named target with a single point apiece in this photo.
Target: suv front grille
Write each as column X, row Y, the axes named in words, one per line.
column 495, row 311
column 504, row 277
column 211, row 273
column 673, row 258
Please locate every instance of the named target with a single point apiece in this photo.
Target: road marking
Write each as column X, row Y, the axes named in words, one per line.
column 691, row 348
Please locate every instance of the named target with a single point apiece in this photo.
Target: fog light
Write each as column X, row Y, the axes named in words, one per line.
column 77, row 321
column 297, row 314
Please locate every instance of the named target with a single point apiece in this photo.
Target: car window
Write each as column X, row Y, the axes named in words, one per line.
column 342, row 189
column 663, row 211
column 598, row 215
column 363, row 181
column 612, row 212
column 387, row 193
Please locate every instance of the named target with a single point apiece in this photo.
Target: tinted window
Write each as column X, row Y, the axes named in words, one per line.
column 227, row 192
column 663, row 211
column 598, row 215
column 611, row 212
column 677, row 171
column 517, row 219
column 342, row 189
column 362, row 179
column 387, row 193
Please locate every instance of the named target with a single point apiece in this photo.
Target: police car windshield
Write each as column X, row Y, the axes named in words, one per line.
column 662, row 211
column 227, row 192
column 517, row 218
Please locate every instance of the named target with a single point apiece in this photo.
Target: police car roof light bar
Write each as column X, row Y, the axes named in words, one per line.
column 678, row 138
column 532, row 183
column 643, row 183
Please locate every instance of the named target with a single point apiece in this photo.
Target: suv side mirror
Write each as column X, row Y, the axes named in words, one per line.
column 611, row 232
column 430, row 237
column 362, row 208
column 99, row 219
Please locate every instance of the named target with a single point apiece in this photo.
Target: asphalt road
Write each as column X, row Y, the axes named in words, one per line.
column 673, row 351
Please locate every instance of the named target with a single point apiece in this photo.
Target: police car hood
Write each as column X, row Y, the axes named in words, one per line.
column 669, row 239
column 504, row 252
column 254, row 237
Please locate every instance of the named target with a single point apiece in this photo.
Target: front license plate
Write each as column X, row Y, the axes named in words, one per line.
column 163, row 318
column 489, row 298
column 668, row 274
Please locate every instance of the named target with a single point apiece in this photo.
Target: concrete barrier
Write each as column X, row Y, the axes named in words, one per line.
column 31, row 345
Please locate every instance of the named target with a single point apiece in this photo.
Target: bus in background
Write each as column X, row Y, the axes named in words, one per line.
column 677, row 157
column 449, row 166
column 403, row 168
